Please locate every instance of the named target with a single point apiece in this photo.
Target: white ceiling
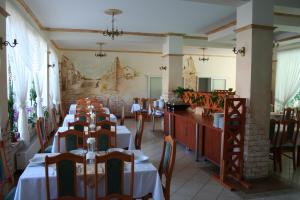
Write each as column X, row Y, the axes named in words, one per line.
column 191, row 17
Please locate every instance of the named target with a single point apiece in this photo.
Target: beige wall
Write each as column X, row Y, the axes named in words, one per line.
column 218, row 67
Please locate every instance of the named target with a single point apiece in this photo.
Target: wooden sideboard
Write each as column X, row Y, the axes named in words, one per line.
column 196, row 133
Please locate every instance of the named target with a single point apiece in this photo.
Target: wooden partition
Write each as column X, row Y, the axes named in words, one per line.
column 222, row 147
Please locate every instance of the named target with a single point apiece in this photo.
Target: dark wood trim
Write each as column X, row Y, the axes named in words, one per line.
column 254, row 26
column 221, row 28
column 3, row 12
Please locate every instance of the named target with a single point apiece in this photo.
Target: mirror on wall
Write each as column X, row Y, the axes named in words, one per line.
column 219, row 84
column 204, row 84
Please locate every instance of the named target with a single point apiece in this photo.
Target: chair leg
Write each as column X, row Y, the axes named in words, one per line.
column 294, row 160
column 153, row 122
column 298, row 156
column 280, row 161
column 274, row 161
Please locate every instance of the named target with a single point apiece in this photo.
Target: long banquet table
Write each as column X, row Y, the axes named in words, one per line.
column 72, row 109
column 124, row 139
column 71, row 118
column 32, row 183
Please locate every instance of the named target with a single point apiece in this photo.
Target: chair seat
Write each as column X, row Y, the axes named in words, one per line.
column 48, row 149
column 11, row 194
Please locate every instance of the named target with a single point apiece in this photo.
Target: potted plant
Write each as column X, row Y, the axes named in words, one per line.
column 179, row 91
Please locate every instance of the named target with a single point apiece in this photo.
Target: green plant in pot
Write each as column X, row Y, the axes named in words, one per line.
column 179, row 91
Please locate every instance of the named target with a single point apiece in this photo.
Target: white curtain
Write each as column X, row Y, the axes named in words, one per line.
column 54, row 85
column 19, row 62
column 287, row 77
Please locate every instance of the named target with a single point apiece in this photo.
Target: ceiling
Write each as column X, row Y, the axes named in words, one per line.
column 147, row 21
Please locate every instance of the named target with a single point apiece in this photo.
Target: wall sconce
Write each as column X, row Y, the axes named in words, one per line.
column 6, row 43
column 163, row 68
column 275, row 44
column 52, row 66
column 241, row 51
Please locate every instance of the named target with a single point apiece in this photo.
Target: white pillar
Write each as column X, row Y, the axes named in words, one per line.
column 253, row 81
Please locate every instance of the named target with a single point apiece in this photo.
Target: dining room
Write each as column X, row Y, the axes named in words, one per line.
column 137, row 99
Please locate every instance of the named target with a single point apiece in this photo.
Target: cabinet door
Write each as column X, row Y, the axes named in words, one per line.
column 191, row 134
column 180, row 129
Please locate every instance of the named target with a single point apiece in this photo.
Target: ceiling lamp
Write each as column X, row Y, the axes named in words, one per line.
column 114, row 32
column 100, row 53
column 203, row 58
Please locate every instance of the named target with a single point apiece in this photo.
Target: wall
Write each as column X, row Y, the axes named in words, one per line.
column 218, row 66
column 84, row 75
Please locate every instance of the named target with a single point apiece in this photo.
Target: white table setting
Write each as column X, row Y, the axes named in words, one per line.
column 72, row 109
column 124, row 139
column 32, row 183
column 71, row 118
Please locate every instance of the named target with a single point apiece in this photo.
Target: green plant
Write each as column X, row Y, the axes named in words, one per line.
column 46, row 113
column 214, row 97
column 179, row 91
column 32, row 94
column 10, row 103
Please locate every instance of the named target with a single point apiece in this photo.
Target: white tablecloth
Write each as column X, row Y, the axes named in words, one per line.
column 71, row 118
column 72, row 109
column 124, row 139
column 135, row 107
column 32, row 183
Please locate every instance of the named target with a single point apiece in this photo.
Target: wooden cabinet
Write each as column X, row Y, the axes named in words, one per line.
column 185, row 131
column 212, row 144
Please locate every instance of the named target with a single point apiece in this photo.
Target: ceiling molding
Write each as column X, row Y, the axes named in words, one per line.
column 3, row 12
column 289, row 38
column 286, row 14
column 221, row 56
column 172, row 54
column 254, row 26
column 113, row 51
column 55, row 45
column 30, row 13
column 221, row 28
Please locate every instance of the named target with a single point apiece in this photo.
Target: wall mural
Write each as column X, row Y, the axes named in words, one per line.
column 108, row 83
column 189, row 74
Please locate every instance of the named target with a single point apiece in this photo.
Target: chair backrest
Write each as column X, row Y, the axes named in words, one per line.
column 136, row 100
column 167, row 164
column 53, row 118
column 111, row 126
column 102, row 117
column 73, row 139
column 98, row 110
column 290, row 131
column 5, row 175
column 274, row 132
column 288, row 113
column 298, row 114
column 41, row 132
column 62, row 111
column 82, row 117
column 105, row 139
column 122, row 121
column 114, row 175
column 139, row 131
column 78, row 125
column 66, row 175
column 144, row 103
column 81, row 102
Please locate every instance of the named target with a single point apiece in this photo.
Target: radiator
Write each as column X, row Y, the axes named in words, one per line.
column 26, row 153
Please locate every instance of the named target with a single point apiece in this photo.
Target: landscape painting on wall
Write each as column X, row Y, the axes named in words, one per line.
column 115, row 85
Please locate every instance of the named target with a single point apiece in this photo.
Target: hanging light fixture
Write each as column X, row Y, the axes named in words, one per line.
column 114, row 32
column 203, row 58
column 100, row 53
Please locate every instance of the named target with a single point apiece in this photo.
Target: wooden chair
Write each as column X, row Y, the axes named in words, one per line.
column 78, row 125
column 66, row 175
column 288, row 113
column 99, row 111
column 83, row 117
column 42, row 136
column 122, row 121
column 298, row 114
column 167, row 164
column 102, row 117
column 274, row 141
column 108, row 125
column 105, row 139
column 136, row 100
column 73, row 139
column 114, row 175
column 7, row 191
column 288, row 141
column 62, row 112
column 53, row 119
column 81, row 102
column 139, row 132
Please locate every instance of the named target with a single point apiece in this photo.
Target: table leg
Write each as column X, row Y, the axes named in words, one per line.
column 298, row 156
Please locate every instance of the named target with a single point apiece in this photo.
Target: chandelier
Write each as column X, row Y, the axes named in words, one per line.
column 114, row 32
column 100, row 53
column 203, row 58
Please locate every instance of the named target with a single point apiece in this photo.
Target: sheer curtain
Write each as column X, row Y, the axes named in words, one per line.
column 19, row 62
column 54, row 86
column 287, row 77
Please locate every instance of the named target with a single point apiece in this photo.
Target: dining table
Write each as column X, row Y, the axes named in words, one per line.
column 72, row 109
column 32, row 182
column 71, row 118
column 124, row 139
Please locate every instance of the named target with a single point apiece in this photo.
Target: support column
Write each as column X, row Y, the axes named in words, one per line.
column 253, row 81
column 173, row 60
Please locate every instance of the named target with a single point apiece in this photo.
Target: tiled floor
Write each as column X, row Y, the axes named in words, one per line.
column 192, row 180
